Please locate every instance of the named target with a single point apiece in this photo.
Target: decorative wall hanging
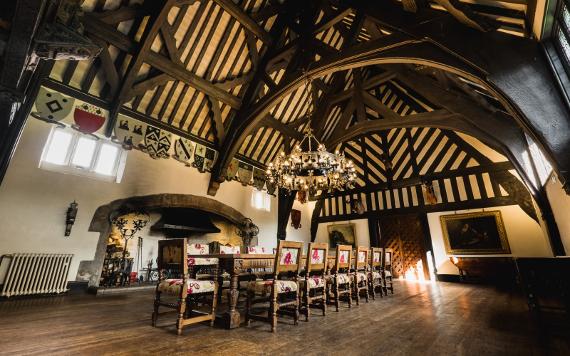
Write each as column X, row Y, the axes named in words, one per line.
column 258, row 178
column 183, row 150
column 88, row 118
column 209, row 159
column 245, row 173
column 356, row 206
column 157, row 142
column 52, row 106
column 199, row 156
column 232, row 169
column 70, row 217
column 429, row 193
column 129, row 132
column 475, row 233
column 302, row 196
column 296, row 218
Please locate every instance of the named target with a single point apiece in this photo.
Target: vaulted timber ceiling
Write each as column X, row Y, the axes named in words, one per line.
column 194, row 67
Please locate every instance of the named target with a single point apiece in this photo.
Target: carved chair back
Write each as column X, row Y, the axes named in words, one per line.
column 172, row 257
column 288, row 258
column 343, row 258
column 388, row 258
column 317, row 255
column 377, row 258
column 361, row 259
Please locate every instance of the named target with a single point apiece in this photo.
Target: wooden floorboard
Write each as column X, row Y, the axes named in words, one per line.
column 419, row 319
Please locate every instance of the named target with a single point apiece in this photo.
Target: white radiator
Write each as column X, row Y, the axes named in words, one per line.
column 35, row 273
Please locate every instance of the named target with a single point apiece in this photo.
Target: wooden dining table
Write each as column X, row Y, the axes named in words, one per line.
column 236, row 265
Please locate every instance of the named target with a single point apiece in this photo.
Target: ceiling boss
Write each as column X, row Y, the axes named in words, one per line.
column 310, row 167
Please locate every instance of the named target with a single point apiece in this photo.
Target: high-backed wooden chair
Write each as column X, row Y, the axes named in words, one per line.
column 340, row 281
column 375, row 276
column 360, row 274
column 387, row 271
column 185, row 287
column 282, row 292
column 314, row 284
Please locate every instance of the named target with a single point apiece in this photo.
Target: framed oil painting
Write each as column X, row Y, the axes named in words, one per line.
column 341, row 234
column 475, row 233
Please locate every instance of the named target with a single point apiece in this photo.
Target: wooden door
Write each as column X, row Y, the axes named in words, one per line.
column 404, row 234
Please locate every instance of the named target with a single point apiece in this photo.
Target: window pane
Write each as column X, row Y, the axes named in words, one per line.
column 83, row 155
column 107, row 158
column 58, row 147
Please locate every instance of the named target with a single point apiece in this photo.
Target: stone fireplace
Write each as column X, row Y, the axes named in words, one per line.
column 182, row 215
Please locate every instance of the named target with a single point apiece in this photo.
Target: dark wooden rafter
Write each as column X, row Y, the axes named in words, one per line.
column 170, row 69
column 385, row 16
column 18, row 84
column 157, row 17
column 252, row 26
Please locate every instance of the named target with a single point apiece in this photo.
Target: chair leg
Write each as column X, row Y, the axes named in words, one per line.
column 349, row 295
column 307, row 300
column 220, row 289
column 324, row 302
column 336, row 295
column 214, row 305
column 357, row 292
column 307, row 306
column 248, row 307
column 273, row 311
column 181, row 312
column 297, row 306
column 155, row 309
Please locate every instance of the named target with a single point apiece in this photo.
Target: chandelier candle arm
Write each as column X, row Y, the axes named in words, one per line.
column 311, row 171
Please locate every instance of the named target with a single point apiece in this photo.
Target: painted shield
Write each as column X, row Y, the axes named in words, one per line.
column 183, row 150
column 157, row 142
column 129, row 132
column 88, row 118
column 52, row 105
column 245, row 173
column 258, row 178
column 232, row 169
column 209, row 159
column 199, row 156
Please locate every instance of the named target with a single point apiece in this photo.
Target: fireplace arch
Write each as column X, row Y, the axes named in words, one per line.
column 90, row 271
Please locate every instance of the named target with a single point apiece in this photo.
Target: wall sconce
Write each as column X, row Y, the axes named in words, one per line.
column 70, row 217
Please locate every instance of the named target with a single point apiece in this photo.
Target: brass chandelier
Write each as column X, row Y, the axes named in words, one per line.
column 311, row 170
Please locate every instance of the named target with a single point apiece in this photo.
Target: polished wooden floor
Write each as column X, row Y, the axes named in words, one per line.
column 420, row 319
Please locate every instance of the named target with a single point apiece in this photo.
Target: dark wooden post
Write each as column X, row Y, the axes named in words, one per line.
column 374, row 231
column 284, row 205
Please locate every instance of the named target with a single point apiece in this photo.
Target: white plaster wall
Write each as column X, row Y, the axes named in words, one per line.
column 362, row 235
column 560, row 204
column 526, row 237
column 33, row 202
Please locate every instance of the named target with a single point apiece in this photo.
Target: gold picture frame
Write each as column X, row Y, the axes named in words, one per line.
column 475, row 233
column 341, row 234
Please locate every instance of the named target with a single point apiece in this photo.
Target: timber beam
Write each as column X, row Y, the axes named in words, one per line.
column 424, row 44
